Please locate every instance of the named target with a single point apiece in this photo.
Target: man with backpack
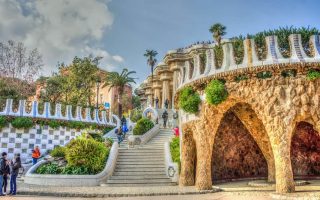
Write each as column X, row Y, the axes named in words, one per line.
column 2, row 169
column 165, row 118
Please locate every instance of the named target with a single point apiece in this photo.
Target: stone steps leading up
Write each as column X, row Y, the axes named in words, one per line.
column 144, row 165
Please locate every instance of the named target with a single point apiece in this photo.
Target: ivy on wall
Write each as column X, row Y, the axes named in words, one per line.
column 189, row 100
column 216, row 92
column 313, row 74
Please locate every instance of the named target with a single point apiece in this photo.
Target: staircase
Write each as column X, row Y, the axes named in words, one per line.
column 144, row 165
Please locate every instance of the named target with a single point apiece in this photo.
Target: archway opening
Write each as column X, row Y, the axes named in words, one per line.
column 235, row 154
column 305, row 151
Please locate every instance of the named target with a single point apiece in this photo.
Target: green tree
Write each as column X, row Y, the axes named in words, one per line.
column 119, row 81
column 151, row 59
column 218, row 30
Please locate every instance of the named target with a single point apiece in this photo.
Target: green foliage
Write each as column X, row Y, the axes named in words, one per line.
column 3, row 122
column 218, row 55
column 175, row 150
column 58, row 152
column 54, row 124
column 143, row 126
column 76, row 125
column 189, row 100
column 264, row 75
column 22, row 122
column 75, row 170
column 218, row 30
column 216, row 92
column 135, row 115
column 283, row 39
column 119, row 81
column 50, row 168
column 97, row 137
column 241, row 78
column 238, row 48
column 108, row 142
column 312, row 75
column 289, row 73
column 87, row 153
column 203, row 62
column 15, row 89
column 107, row 129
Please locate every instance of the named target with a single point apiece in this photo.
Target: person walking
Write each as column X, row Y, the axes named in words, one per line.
column 157, row 102
column 6, row 175
column 166, row 103
column 35, row 155
column 15, row 166
column 165, row 118
column 2, row 169
column 176, row 131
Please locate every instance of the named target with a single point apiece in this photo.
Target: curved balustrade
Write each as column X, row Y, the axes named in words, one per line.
column 250, row 58
column 46, row 114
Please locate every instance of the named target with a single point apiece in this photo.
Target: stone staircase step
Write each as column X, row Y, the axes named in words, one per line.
column 137, row 184
column 165, row 180
column 119, row 169
column 139, row 177
column 144, row 166
column 139, row 173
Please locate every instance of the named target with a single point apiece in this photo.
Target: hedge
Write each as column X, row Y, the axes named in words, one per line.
column 216, row 92
column 189, row 100
column 143, row 126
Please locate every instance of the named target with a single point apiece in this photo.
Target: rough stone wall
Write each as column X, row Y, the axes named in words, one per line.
column 305, row 151
column 279, row 103
column 235, row 153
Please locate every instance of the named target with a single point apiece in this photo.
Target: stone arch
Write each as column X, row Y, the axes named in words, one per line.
column 151, row 110
column 305, row 150
column 253, row 133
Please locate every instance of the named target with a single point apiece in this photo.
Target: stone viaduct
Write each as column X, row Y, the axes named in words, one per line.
column 266, row 128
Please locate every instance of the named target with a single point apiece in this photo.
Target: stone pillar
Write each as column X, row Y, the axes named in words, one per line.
column 204, row 156
column 280, row 137
column 175, row 85
column 157, row 94
column 165, row 91
column 188, row 157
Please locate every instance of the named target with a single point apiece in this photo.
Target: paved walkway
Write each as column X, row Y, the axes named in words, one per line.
column 215, row 196
column 229, row 190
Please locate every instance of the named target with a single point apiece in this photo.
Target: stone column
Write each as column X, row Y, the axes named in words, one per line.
column 280, row 137
column 188, row 157
column 157, row 94
column 204, row 156
column 165, row 91
column 174, row 83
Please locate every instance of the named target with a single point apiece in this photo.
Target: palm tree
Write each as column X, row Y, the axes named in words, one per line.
column 151, row 59
column 218, row 30
column 119, row 81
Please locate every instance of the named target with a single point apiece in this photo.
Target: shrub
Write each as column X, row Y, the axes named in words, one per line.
column 87, row 153
column 54, row 124
column 264, row 75
column 75, row 170
column 3, row 122
column 175, row 150
column 107, row 129
column 218, row 54
column 311, row 75
column 76, row 125
column 136, row 115
column 97, row 137
column 289, row 73
column 216, row 92
column 50, row 168
column 142, row 126
column 22, row 122
column 189, row 100
column 58, row 152
column 241, row 78
column 108, row 142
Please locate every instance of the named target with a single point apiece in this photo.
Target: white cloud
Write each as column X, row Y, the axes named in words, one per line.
column 60, row 29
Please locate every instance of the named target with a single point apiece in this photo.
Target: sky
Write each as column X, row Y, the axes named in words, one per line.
column 121, row 30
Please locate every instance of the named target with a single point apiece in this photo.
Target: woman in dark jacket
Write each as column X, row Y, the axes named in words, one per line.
column 15, row 166
column 6, row 174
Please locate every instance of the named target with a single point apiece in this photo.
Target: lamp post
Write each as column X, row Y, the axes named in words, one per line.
column 98, row 82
